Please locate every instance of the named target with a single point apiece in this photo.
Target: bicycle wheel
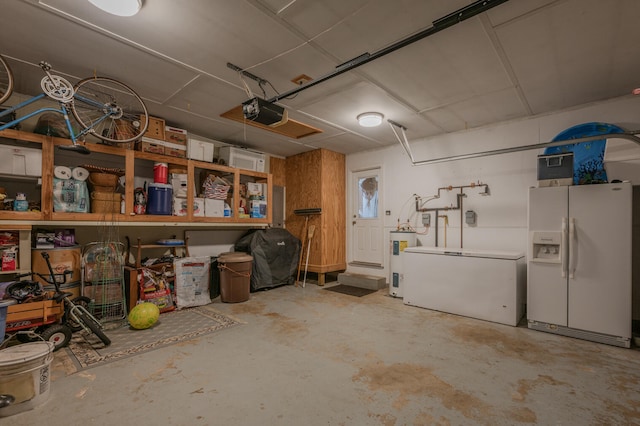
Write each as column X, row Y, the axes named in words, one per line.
column 95, row 327
column 6, row 80
column 111, row 109
column 71, row 323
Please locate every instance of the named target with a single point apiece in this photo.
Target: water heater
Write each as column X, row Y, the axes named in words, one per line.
column 400, row 240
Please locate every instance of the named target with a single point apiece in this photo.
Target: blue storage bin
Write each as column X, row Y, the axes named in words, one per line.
column 4, row 307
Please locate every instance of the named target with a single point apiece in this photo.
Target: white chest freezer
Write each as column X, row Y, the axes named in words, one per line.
column 482, row 284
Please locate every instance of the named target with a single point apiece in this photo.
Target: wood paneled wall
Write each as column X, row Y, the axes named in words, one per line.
column 277, row 168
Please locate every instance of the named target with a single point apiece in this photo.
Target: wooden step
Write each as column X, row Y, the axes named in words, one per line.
column 371, row 282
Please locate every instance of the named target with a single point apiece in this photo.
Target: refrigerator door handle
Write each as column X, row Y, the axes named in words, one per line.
column 572, row 243
column 564, row 248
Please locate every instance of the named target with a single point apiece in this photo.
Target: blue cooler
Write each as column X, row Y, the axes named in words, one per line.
column 159, row 197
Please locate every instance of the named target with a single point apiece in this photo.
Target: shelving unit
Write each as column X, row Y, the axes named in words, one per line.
column 24, row 248
column 138, row 248
column 131, row 160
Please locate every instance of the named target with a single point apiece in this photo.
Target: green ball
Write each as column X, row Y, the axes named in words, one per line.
column 144, row 315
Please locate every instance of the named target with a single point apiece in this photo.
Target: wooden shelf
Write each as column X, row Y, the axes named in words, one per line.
column 131, row 159
column 133, row 270
column 139, row 247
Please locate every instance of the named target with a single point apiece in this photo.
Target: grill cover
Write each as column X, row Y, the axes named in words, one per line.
column 275, row 252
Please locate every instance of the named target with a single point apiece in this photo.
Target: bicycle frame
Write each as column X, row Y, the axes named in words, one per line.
column 63, row 110
column 72, row 309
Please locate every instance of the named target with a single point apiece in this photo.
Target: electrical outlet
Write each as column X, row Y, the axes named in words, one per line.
column 387, row 212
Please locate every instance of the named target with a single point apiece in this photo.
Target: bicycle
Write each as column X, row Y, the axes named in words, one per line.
column 76, row 314
column 104, row 107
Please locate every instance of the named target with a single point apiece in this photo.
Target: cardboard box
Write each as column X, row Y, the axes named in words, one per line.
column 213, row 208
column 174, row 150
column 9, row 259
column 254, row 189
column 45, row 240
column 175, row 135
column 179, row 183
column 157, row 146
column 258, row 209
column 200, row 150
column 155, row 129
column 180, row 207
column 147, row 146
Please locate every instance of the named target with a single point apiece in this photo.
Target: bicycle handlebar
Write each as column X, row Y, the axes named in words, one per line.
column 47, row 278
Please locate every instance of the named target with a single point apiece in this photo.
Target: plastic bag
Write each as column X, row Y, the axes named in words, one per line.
column 192, row 281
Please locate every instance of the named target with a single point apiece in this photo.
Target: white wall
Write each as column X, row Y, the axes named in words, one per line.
column 502, row 216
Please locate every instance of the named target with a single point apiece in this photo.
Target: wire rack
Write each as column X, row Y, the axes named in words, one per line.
column 103, row 280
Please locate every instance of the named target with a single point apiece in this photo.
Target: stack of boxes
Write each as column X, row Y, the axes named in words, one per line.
column 162, row 139
column 9, row 241
column 215, row 191
column 257, row 200
column 179, row 183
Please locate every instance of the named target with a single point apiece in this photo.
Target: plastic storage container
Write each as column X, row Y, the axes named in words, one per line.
column 159, row 198
column 235, row 276
column 24, row 375
column 4, row 306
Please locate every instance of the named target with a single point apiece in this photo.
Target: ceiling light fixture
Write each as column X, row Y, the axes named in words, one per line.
column 370, row 119
column 118, row 7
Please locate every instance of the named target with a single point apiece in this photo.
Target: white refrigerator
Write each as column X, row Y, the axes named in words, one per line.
column 579, row 262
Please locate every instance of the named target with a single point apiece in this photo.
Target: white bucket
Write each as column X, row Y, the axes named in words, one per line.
column 24, row 376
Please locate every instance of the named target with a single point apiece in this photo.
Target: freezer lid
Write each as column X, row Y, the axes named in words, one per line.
column 491, row 254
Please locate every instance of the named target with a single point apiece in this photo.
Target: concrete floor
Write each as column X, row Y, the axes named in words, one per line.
column 313, row 357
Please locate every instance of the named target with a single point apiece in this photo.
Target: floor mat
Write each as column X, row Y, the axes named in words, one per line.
column 350, row 290
column 172, row 327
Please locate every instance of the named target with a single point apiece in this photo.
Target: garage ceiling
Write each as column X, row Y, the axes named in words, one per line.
column 521, row 58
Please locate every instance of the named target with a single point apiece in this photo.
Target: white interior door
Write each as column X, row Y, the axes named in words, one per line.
column 366, row 218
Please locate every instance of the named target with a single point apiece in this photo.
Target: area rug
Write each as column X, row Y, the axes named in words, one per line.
column 86, row 350
column 350, row 290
